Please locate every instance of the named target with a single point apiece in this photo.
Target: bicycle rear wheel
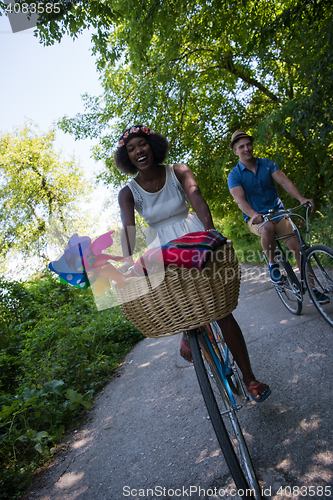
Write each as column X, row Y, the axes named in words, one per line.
column 319, row 275
column 289, row 290
column 224, row 419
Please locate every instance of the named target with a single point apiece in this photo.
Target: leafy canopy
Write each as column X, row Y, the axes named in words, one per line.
column 196, row 71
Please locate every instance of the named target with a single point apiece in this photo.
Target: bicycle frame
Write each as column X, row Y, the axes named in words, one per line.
column 314, row 277
column 223, row 367
column 271, row 215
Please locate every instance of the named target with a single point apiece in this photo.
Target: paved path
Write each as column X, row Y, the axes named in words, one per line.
column 149, row 435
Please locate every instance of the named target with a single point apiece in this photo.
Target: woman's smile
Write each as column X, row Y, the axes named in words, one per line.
column 140, row 153
column 142, row 159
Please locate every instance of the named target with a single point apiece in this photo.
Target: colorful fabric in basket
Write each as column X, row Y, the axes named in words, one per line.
column 191, row 251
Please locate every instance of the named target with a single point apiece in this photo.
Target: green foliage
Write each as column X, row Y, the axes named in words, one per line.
column 56, row 352
column 197, row 71
column 35, row 184
column 202, row 69
column 321, row 227
column 247, row 245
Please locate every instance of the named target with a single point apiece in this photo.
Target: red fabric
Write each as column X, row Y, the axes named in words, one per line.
column 192, row 250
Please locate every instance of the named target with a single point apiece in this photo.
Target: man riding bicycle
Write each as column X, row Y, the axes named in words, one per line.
column 251, row 183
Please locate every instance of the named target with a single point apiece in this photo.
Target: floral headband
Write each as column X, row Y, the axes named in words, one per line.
column 134, row 130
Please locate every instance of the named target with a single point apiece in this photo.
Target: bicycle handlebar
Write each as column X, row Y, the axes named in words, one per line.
column 273, row 214
column 287, row 211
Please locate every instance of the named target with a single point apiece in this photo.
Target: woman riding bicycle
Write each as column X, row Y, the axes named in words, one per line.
column 161, row 194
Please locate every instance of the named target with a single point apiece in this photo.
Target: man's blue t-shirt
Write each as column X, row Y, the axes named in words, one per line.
column 259, row 188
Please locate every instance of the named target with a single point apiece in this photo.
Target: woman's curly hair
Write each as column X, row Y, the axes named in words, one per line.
column 159, row 146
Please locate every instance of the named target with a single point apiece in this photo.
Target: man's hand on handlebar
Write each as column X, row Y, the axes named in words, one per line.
column 307, row 200
column 257, row 219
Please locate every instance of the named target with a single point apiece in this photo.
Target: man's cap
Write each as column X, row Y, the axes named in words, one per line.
column 238, row 135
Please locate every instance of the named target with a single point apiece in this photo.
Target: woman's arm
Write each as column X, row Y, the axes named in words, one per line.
column 185, row 176
column 128, row 232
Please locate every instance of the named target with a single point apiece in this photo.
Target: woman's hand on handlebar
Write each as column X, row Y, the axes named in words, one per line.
column 125, row 267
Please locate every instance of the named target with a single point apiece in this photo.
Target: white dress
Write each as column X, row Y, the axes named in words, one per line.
column 166, row 212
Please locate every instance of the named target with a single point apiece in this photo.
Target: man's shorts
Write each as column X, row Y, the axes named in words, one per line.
column 282, row 228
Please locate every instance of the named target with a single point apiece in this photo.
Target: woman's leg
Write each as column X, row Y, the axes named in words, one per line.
column 185, row 350
column 234, row 338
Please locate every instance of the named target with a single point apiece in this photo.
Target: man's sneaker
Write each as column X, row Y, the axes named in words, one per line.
column 275, row 274
column 321, row 297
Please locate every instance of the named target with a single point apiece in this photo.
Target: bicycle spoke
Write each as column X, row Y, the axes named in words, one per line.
column 289, row 290
column 319, row 279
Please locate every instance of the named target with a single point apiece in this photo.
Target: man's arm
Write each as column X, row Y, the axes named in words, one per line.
column 290, row 187
column 239, row 196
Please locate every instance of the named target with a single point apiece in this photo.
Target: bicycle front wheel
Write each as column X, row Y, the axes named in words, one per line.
column 232, row 375
column 289, row 290
column 319, row 279
column 224, row 418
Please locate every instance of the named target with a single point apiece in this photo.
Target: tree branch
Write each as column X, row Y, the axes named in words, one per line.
column 229, row 65
column 242, row 74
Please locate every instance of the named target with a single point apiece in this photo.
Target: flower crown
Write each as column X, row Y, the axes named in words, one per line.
column 134, row 130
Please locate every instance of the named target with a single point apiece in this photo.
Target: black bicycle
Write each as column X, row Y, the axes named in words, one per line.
column 316, row 272
column 220, row 385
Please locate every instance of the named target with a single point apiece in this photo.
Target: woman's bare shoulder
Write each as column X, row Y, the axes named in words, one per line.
column 125, row 195
column 180, row 167
column 181, row 170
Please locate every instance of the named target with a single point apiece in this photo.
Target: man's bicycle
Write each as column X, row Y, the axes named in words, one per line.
column 188, row 300
column 316, row 272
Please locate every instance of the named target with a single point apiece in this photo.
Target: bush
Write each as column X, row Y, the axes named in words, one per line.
column 56, row 352
column 247, row 245
column 321, row 227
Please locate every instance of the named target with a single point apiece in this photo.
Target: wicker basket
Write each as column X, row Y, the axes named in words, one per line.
column 181, row 299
